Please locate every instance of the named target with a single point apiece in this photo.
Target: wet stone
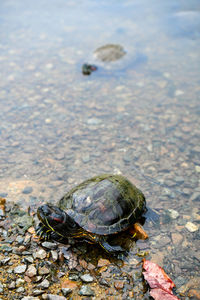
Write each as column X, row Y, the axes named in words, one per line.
column 86, row 291
column 195, row 197
column 173, row 214
column 191, row 227
column 20, row 269
column 93, row 121
column 27, row 190
column 86, row 158
column 197, row 168
column 87, row 278
column 50, row 245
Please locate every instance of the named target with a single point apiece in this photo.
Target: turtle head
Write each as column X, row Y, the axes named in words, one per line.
column 56, row 220
column 51, row 216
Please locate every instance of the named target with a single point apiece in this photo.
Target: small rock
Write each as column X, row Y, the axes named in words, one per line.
column 86, row 158
column 19, row 239
column 66, row 283
column 31, row 271
column 177, row 238
column 55, row 297
column 87, row 278
column 19, row 282
column 86, row 291
column 29, row 259
column 66, row 291
column 178, row 93
column 43, row 270
column 41, row 254
column 195, row 197
column 20, row 290
column 103, row 262
column 20, row 269
column 37, row 292
column 173, row 214
column 27, row 190
column 50, row 245
column 119, row 284
column 12, row 285
column 93, row 121
column 104, row 282
column 54, row 255
column 194, row 294
column 74, row 277
column 197, row 168
column 1, row 288
column 91, row 266
column 30, row 298
column 83, row 263
column 191, row 227
column 4, row 261
column 44, row 284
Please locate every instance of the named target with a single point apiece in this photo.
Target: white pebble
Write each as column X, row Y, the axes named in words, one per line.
column 191, row 227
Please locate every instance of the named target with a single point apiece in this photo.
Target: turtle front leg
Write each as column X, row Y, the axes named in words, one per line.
column 43, row 232
column 47, row 234
column 111, row 248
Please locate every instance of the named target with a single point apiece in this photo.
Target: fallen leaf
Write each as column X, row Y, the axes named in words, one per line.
column 159, row 294
column 159, row 281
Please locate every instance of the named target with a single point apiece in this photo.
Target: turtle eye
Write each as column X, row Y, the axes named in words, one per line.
column 59, row 220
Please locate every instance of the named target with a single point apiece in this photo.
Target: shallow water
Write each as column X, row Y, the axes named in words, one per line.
column 138, row 116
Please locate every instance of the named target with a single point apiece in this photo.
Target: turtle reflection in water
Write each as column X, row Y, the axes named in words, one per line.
column 94, row 210
column 110, row 52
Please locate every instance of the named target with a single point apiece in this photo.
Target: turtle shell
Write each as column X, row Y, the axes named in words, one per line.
column 104, row 204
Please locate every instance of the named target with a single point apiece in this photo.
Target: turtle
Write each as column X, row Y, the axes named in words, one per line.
column 94, row 210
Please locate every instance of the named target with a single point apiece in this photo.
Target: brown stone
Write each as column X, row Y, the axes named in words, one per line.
column 90, row 266
column 103, row 262
column 194, row 293
column 83, row 263
column 66, row 283
column 158, row 258
column 119, row 284
column 31, row 271
column 177, row 238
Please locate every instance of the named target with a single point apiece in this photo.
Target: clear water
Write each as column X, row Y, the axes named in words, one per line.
column 138, row 116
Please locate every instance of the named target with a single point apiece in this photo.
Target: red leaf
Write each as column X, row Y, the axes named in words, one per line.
column 158, row 294
column 159, row 281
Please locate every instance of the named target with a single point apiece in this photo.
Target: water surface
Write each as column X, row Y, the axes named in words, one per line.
column 138, row 117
